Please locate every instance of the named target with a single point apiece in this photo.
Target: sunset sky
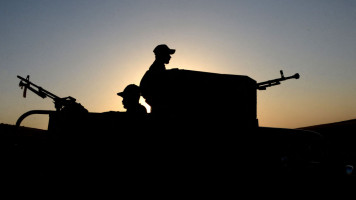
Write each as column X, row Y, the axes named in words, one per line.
column 92, row 49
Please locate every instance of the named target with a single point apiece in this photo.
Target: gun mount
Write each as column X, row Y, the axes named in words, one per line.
column 59, row 103
column 274, row 82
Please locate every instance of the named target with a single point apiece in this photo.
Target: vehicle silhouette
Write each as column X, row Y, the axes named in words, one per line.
column 205, row 131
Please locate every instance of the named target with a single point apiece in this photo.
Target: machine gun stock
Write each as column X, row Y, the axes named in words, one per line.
column 274, row 82
column 59, row 103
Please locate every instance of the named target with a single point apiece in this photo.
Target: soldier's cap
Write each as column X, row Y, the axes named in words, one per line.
column 130, row 90
column 163, row 49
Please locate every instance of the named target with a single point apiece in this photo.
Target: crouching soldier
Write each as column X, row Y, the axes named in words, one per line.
column 131, row 96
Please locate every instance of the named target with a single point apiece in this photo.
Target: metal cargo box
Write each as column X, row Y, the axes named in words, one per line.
column 207, row 97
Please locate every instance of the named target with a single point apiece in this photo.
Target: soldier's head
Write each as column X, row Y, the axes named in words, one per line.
column 163, row 53
column 131, row 95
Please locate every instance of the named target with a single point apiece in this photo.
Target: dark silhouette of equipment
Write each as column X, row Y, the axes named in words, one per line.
column 59, row 103
column 274, row 82
column 208, row 98
column 204, row 123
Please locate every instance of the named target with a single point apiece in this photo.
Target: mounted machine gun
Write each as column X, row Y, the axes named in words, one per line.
column 66, row 104
column 59, row 103
column 274, row 82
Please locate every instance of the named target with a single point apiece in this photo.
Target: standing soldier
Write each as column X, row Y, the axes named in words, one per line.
column 152, row 83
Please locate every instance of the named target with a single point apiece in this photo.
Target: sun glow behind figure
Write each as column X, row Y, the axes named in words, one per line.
column 143, row 102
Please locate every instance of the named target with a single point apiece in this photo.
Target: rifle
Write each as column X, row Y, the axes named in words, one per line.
column 59, row 103
column 274, row 82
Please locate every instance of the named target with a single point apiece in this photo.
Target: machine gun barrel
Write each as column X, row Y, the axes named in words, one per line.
column 35, row 88
column 59, row 102
column 273, row 82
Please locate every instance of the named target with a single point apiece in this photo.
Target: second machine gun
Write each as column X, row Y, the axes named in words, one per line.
column 273, row 82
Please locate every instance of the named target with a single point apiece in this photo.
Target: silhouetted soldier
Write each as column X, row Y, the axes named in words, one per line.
column 152, row 83
column 131, row 96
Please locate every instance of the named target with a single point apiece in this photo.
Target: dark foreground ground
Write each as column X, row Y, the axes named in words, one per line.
column 340, row 142
column 23, row 151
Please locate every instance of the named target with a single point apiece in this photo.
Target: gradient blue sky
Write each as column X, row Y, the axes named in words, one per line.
column 92, row 49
